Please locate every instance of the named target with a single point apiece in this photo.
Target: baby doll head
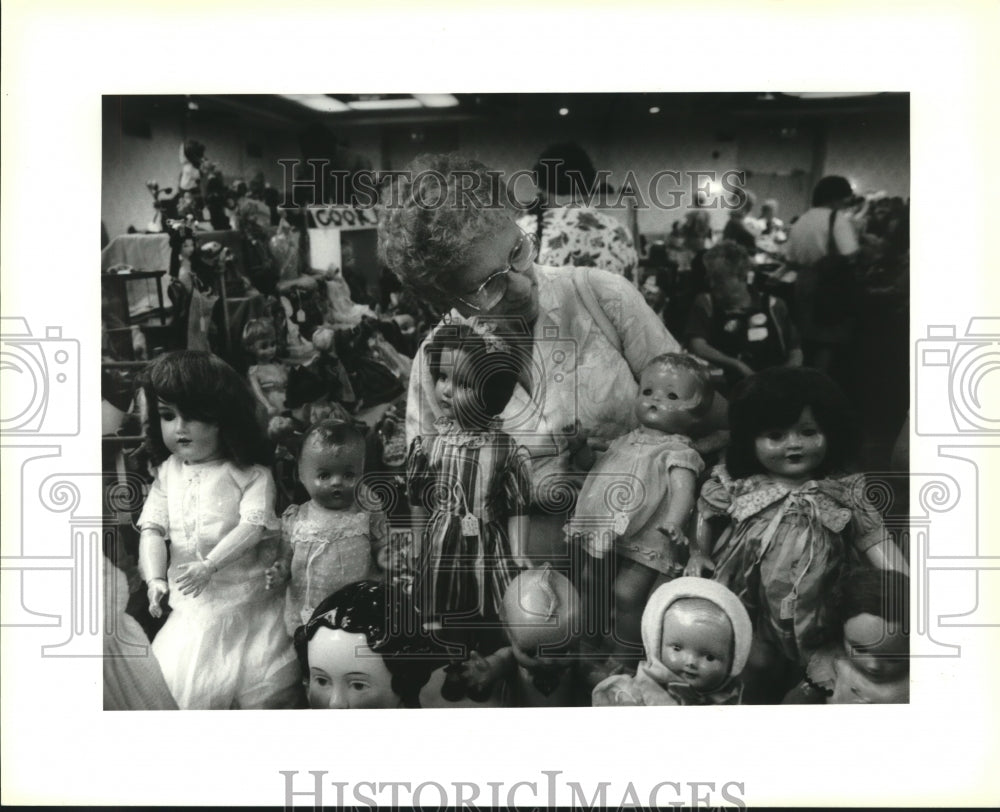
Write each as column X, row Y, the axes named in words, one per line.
column 474, row 376
column 674, row 394
column 260, row 340
column 332, row 463
column 697, row 632
column 541, row 615
column 190, row 386
column 792, row 423
column 872, row 611
column 359, row 650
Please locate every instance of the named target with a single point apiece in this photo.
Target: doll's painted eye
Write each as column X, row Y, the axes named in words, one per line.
column 774, row 436
column 672, row 396
column 320, row 681
column 647, row 391
column 358, row 685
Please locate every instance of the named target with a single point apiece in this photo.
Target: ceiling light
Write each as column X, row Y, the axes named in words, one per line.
column 436, row 99
column 384, row 104
column 654, row 110
column 828, row 94
column 319, row 102
column 564, row 111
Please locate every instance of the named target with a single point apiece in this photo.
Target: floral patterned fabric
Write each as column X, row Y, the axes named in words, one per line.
column 581, row 236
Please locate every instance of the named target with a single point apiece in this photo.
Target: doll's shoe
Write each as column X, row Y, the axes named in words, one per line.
column 453, row 688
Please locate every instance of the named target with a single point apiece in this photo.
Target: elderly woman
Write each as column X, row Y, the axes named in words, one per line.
column 448, row 231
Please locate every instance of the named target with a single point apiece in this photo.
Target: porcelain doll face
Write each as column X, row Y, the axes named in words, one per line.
column 264, row 349
column 187, row 248
column 191, row 441
column 454, row 390
column 667, row 399
column 697, row 643
column 345, row 673
column 652, row 293
column 331, row 473
column 877, row 651
column 793, row 452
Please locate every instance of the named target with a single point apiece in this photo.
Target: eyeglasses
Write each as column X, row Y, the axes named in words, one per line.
column 489, row 293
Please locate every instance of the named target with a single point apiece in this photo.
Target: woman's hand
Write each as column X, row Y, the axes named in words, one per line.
column 194, row 577
column 156, row 590
column 698, row 563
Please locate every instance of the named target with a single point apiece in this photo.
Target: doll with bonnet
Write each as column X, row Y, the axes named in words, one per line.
column 697, row 637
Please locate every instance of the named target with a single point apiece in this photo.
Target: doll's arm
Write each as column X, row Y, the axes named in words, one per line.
column 517, row 533
column 886, row 555
column 482, row 672
column 701, row 551
column 153, row 566
column 194, row 577
column 679, row 505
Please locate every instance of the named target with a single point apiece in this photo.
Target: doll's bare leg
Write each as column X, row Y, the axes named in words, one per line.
column 632, row 584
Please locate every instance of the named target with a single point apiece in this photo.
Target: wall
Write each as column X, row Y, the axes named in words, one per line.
column 128, row 161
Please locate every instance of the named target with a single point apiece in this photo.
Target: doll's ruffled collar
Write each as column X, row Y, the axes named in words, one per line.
column 453, row 434
column 831, row 499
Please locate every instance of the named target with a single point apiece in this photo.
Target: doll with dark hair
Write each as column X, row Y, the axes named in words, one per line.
column 792, row 517
column 224, row 644
column 469, row 488
column 361, row 649
column 338, row 536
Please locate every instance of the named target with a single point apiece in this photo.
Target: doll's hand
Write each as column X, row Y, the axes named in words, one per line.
column 697, row 563
column 675, row 534
column 194, row 577
column 276, row 574
column 477, row 672
column 156, row 590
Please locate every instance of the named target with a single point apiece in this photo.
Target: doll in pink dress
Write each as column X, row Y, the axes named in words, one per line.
column 788, row 518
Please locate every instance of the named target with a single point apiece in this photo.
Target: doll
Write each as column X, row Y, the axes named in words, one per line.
column 867, row 659
column 542, row 621
column 192, row 155
column 469, row 488
column 358, row 650
column 330, row 369
column 791, row 518
column 268, row 378
column 330, row 541
column 638, row 497
column 697, row 638
column 224, row 644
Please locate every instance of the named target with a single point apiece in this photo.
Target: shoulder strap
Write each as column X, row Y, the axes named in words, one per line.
column 582, row 283
column 831, row 243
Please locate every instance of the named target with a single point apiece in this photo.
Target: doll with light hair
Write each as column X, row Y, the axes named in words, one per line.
column 268, row 378
column 697, row 638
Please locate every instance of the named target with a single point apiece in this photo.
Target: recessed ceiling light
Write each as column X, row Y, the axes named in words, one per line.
column 654, row 110
column 436, row 99
column 384, row 104
column 319, row 102
column 564, row 111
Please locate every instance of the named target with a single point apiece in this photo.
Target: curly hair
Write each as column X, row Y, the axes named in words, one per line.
column 727, row 258
column 204, row 387
column 774, row 399
column 258, row 330
column 432, row 215
column 689, row 363
column 387, row 621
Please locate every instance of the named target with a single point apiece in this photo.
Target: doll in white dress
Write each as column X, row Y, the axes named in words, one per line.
column 224, row 644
